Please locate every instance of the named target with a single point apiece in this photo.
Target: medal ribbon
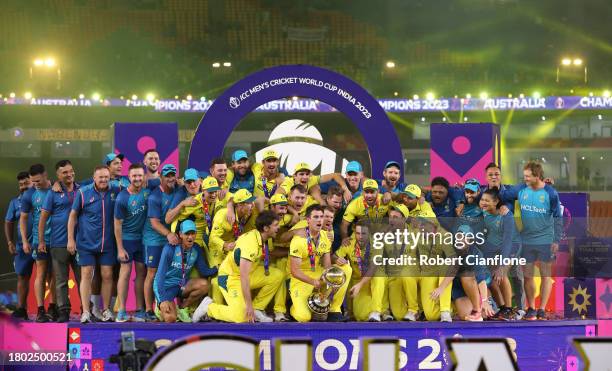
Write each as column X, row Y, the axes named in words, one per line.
column 311, row 251
column 237, row 227
column 266, row 257
column 267, row 193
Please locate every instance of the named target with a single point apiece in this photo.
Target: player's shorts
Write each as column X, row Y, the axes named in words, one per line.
column 36, row 255
column 23, row 262
column 533, row 253
column 170, row 294
column 135, row 251
column 89, row 257
column 153, row 255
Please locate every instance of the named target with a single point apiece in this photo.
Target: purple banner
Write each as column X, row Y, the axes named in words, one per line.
column 134, row 139
column 336, row 346
column 551, row 103
column 462, row 151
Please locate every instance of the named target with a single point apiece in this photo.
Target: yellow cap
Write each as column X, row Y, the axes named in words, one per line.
column 370, row 184
column 401, row 208
column 412, row 191
column 278, row 199
column 301, row 166
column 243, row 195
column 270, row 154
column 210, row 184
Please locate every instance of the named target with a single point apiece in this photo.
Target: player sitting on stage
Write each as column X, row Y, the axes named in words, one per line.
column 246, row 268
column 172, row 277
column 309, row 256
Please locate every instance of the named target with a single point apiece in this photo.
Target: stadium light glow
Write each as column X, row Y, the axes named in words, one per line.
column 390, row 64
column 416, row 96
column 202, row 99
column 134, row 96
column 606, row 93
column 81, row 96
column 227, row 64
column 50, row 62
column 566, row 61
column 536, row 94
column 294, row 98
column 577, row 62
column 465, row 119
column 521, row 95
column 27, row 95
column 216, row 65
column 395, row 93
column 95, row 96
column 150, row 97
column 468, row 96
column 189, row 97
column 484, row 95
column 38, row 62
column 590, row 94
column 12, row 95
column 430, row 96
column 543, row 118
column 509, row 95
column 422, row 119
column 599, row 117
column 444, row 119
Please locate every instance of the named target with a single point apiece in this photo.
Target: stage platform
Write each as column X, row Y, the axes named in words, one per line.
column 540, row 345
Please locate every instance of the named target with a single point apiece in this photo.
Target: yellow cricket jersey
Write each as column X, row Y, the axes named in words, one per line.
column 299, row 249
column 284, row 225
column 290, row 182
column 224, row 232
column 228, row 180
column 198, row 213
column 258, row 174
column 349, row 253
column 420, row 209
column 249, row 246
column 356, row 210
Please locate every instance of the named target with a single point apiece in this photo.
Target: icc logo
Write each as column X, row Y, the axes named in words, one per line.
column 234, row 102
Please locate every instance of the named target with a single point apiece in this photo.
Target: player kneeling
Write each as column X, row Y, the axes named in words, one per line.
column 309, row 257
column 246, row 268
column 172, row 277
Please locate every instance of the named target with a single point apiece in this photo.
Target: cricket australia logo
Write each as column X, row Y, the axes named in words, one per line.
column 234, row 102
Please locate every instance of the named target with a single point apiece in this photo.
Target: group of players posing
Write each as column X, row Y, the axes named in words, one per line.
column 230, row 244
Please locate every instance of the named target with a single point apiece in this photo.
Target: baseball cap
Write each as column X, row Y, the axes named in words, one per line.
column 427, row 216
column 464, row 228
column 472, row 184
column 402, row 209
column 301, row 166
column 168, row 169
column 111, row 156
column 269, row 154
column 392, row 163
column 239, row 155
column 370, row 184
column 243, row 195
column 354, row 167
column 188, row 226
column 278, row 199
column 210, row 184
column 412, row 191
column 191, row 174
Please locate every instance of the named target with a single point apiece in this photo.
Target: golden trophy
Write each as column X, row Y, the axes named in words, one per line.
column 318, row 302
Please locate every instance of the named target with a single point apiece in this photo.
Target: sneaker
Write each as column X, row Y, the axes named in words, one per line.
column 445, row 316
column 261, row 316
column 336, row 317
column 474, row 317
column 41, row 316
column 280, row 317
column 182, row 315
column 140, row 316
column 97, row 313
column 387, row 317
column 52, row 312
column 21, row 314
column 151, row 317
column 86, row 317
column 531, row 315
column 201, row 310
column 410, row 316
column 503, row 314
column 122, row 316
column 64, row 316
column 519, row 314
column 108, row 316
column 541, row 315
column 374, row 317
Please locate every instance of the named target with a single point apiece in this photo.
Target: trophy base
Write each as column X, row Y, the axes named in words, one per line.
column 319, row 313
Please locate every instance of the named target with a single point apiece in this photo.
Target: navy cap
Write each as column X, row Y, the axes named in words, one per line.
column 239, row 155
column 392, row 163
